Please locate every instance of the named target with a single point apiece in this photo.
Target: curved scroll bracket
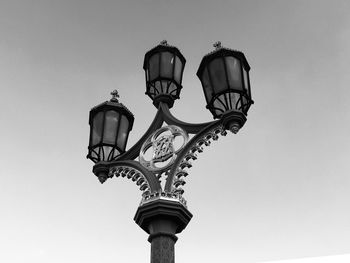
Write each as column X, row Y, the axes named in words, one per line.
column 130, row 169
column 175, row 179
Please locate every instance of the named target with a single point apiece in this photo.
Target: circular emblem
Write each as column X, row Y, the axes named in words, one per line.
column 160, row 149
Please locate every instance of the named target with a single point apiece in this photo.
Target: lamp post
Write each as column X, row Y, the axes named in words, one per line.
column 165, row 150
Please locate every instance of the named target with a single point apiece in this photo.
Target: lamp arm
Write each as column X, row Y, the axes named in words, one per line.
column 170, row 119
column 210, row 132
column 134, row 151
column 136, row 172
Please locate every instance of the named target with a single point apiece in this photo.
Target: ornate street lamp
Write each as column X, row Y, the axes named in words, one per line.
column 163, row 211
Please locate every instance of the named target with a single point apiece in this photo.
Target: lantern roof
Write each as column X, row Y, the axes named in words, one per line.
column 221, row 52
column 112, row 104
column 163, row 46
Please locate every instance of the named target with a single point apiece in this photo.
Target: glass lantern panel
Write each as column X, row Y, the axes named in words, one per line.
column 154, row 67
column 206, row 85
column 152, row 91
column 172, row 89
column 167, row 65
column 234, row 73
column 217, row 74
column 219, row 105
column 94, row 154
column 111, row 126
column 164, row 84
column 116, row 153
column 244, row 104
column 123, row 133
column 97, row 128
column 158, row 87
column 106, row 151
column 147, row 74
column 178, row 70
column 245, row 81
column 235, row 101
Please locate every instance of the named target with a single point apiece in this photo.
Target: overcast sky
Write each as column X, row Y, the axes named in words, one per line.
column 279, row 189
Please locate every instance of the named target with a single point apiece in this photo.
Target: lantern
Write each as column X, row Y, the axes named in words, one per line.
column 164, row 67
column 110, row 124
column 224, row 75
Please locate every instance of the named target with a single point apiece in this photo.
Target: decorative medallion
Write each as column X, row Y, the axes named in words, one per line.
column 159, row 151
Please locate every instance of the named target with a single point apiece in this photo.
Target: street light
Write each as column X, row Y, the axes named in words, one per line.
column 163, row 213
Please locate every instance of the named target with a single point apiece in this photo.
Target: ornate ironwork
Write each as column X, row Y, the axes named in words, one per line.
column 146, row 174
column 132, row 174
column 163, row 148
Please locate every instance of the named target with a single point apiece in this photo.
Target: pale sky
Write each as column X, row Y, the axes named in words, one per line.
column 277, row 190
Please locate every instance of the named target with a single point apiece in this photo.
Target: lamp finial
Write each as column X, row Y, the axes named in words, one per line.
column 115, row 96
column 217, row 45
column 164, row 42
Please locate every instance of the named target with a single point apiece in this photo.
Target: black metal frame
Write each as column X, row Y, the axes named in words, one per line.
column 203, row 134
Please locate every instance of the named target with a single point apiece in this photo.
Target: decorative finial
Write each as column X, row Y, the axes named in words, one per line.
column 164, row 42
column 115, row 95
column 217, row 45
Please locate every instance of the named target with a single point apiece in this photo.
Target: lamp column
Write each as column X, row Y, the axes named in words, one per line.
column 162, row 219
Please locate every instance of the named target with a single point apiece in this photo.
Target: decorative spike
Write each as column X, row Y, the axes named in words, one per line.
column 185, row 164
column 143, row 187
column 179, row 191
column 197, row 149
column 190, row 156
column 182, row 173
column 223, row 133
column 140, row 181
column 135, row 177
column 130, row 174
column 215, row 137
column 179, row 182
column 147, row 192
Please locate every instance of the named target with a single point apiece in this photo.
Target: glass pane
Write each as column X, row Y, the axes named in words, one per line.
column 178, row 70
column 217, row 74
column 158, row 88
column 206, row 85
column 234, row 73
column 235, row 101
column 154, row 66
column 97, row 128
column 172, row 89
column 167, row 65
column 106, row 152
column 151, row 91
column 164, row 84
column 123, row 133
column 116, row 153
column 246, row 81
column 111, row 126
column 244, row 104
column 219, row 105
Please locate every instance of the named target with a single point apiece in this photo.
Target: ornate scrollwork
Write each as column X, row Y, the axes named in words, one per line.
column 195, row 146
column 149, row 197
column 163, row 148
column 132, row 174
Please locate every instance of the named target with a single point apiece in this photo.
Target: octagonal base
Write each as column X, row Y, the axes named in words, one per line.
column 162, row 216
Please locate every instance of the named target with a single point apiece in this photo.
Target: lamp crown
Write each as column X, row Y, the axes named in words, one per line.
column 115, row 96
